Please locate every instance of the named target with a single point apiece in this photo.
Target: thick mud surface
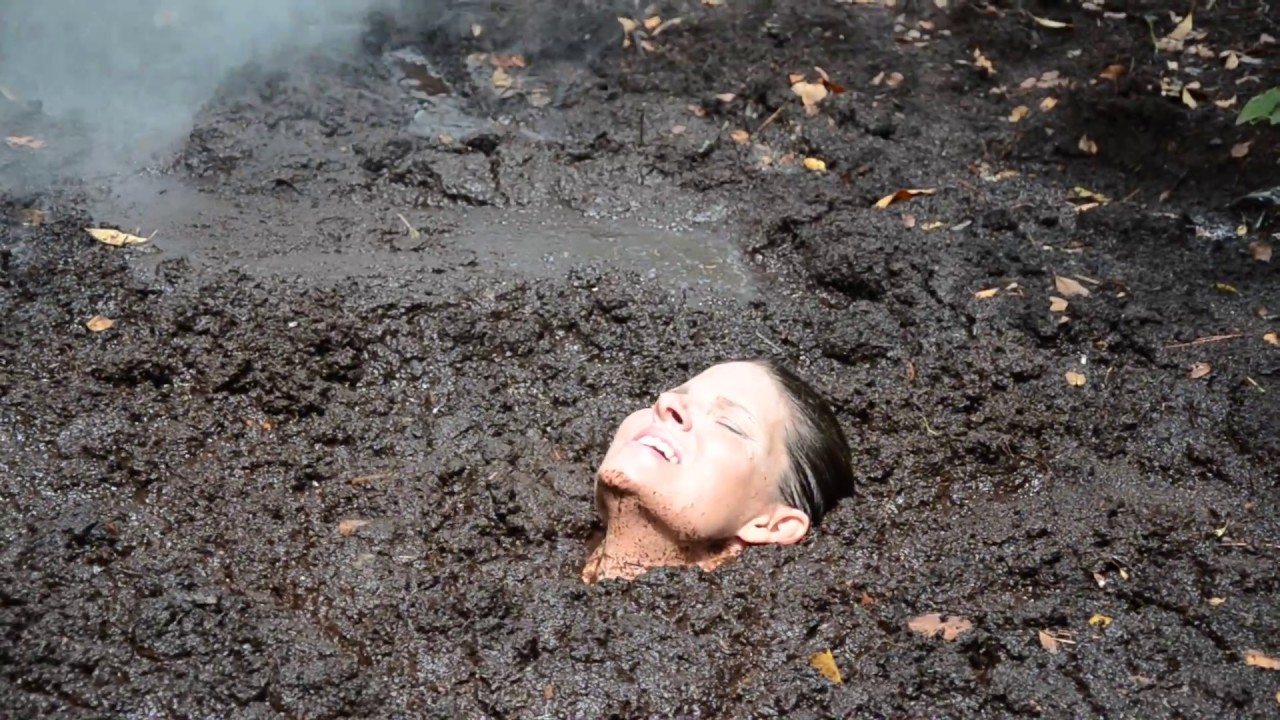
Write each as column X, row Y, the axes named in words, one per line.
column 287, row 356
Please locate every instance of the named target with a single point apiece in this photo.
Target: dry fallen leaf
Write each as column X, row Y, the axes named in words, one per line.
column 1216, row 601
column 895, row 79
column 1057, row 304
column 114, row 238
column 1239, row 150
column 678, row 129
column 930, row 625
column 651, row 23
column 31, row 216
column 901, row 195
column 1257, row 659
column 1271, row 338
column 1087, row 145
column 987, row 294
column 983, row 62
column 1100, row 621
column 1188, row 99
column 1053, row 24
column 698, row 110
column 908, row 220
column 815, row 165
column 1048, row 104
column 1049, row 642
column 1182, row 30
column 506, row 62
column 1232, row 62
column 810, row 94
column 825, row 663
column 1069, row 287
column 1074, row 379
column 1199, row 370
column 628, row 25
column 98, row 323
column 1261, row 251
column 24, row 141
column 1228, row 103
column 348, row 527
column 726, row 97
column 1113, row 72
column 742, row 137
column 1019, row 113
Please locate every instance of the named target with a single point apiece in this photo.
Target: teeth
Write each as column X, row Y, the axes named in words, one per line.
column 667, row 451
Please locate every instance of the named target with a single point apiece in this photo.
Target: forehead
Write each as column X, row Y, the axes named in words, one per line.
column 744, row 383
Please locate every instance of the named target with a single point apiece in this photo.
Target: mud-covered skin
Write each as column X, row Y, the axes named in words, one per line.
column 172, row 487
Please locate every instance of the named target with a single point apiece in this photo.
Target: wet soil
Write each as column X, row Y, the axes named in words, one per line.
column 287, row 355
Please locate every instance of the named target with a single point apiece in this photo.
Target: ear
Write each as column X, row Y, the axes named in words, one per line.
column 782, row 525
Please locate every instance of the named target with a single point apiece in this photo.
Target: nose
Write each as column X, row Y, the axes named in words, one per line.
column 671, row 407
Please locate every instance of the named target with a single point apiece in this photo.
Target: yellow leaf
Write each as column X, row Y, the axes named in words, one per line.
column 825, row 663
column 1100, row 621
column 1074, row 379
column 1019, row 113
column 901, row 195
column 1225, row 289
column 1271, row 338
column 346, row 528
column 1257, row 659
column 987, row 294
column 1182, row 30
column 501, row 79
column 1069, row 287
column 652, row 22
column 815, row 164
column 98, row 323
column 983, row 62
column 1057, row 304
column 1216, row 601
column 1188, row 100
column 628, row 25
column 114, row 238
column 932, row 225
column 1199, row 370
column 742, row 137
column 1087, row 194
column 1054, row 24
column 1048, row 104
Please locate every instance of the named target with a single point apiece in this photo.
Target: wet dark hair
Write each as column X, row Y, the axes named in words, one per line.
column 819, row 463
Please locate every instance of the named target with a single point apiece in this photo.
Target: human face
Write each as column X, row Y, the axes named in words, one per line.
column 706, row 459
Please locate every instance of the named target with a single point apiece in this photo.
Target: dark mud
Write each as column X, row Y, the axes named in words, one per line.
column 287, row 356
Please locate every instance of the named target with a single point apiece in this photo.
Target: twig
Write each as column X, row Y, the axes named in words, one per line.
column 1204, row 341
column 768, row 342
column 769, row 120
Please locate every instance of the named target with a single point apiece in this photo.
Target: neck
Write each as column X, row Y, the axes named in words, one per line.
column 635, row 542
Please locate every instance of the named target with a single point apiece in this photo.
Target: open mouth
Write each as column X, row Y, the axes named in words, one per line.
column 662, row 447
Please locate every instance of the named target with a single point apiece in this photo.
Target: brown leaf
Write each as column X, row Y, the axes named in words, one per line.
column 1057, row 304
column 24, row 141
column 1075, row 379
column 930, row 625
column 1271, row 338
column 1019, row 113
column 1257, row 659
column 31, row 216
column 1224, row 104
column 1199, row 370
column 1049, row 642
column 98, row 323
column 653, row 22
column 506, row 62
column 1048, row 104
column 825, row 663
column 1239, row 150
column 678, row 129
column 347, row 528
column 1216, row 601
column 983, row 62
column 866, row 600
column 698, row 110
column 987, row 294
column 1232, row 62
column 1182, row 30
column 895, row 79
column 1113, row 72
column 1260, row 250
column 1087, row 145
column 742, row 137
column 901, row 195
column 1069, row 287
column 549, row 693
column 908, row 220
column 726, row 97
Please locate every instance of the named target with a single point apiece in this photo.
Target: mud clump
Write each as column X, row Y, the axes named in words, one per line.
column 330, row 461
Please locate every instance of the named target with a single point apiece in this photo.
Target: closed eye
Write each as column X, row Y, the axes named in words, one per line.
column 732, row 429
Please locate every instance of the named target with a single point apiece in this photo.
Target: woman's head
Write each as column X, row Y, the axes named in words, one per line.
column 744, row 452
